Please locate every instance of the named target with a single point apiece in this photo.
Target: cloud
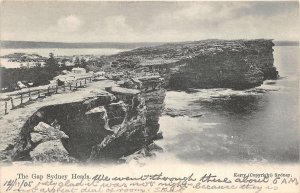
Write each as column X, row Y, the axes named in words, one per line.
column 65, row 29
column 155, row 21
column 116, row 25
column 112, row 28
column 230, row 20
column 69, row 23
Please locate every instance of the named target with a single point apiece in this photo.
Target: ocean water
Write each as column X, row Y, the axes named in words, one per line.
column 221, row 125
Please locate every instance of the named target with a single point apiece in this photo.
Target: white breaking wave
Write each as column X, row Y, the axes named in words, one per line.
column 181, row 99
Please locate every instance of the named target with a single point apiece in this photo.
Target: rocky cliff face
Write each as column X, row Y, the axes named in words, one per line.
column 237, row 64
column 243, row 64
column 154, row 95
column 108, row 126
column 141, row 128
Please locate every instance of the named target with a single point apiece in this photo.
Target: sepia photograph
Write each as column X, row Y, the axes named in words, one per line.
column 135, row 85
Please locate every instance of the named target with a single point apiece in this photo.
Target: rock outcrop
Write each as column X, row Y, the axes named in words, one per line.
column 44, row 132
column 51, row 151
column 46, row 144
column 140, row 127
column 107, row 126
column 242, row 65
column 237, row 64
column 154, row 95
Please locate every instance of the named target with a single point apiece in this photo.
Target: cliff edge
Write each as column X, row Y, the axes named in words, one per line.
column 237, row 64
column 98, row 123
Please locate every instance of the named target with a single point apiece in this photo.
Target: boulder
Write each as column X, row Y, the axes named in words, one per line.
column 50, row 151
column 44, row 132
column 98, row 115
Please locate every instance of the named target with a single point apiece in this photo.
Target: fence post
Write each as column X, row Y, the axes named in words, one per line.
column 29, row 95
column 56, row 88
column 12, row 103
column 39, row 95
column 21, row 98
column 85, row 81
column 6, row 108
column 70, row 86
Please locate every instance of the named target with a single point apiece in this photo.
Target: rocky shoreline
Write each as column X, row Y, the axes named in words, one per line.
column 121, row 119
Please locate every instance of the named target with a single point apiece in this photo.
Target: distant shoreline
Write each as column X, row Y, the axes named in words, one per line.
column 97, row 45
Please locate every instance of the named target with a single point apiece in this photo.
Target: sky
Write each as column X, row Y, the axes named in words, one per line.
column 148, row 21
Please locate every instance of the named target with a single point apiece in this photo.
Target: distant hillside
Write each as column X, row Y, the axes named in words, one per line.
column 32, row 44
column 286, row 43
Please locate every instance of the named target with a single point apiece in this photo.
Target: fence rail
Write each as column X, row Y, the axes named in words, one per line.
column 23, row 97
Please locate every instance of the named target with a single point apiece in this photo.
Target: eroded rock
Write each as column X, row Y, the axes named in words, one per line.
column 44, row 132
column 236, row 64
column 51, row 151
column 102, row 127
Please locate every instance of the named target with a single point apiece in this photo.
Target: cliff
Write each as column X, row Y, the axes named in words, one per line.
column 237, row 64
column 111, row 121
column 96, row 126
column 141, row 126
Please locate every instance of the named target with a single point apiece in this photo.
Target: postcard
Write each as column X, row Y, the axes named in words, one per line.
column 149, row 96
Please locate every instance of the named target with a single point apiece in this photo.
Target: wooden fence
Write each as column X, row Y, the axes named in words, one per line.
column 24, row 97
